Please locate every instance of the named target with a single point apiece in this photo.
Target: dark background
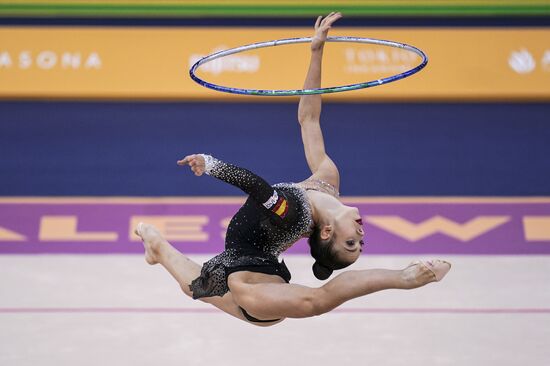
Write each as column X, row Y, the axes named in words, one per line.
column 130, row 149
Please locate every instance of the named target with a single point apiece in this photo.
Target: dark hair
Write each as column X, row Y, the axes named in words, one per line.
column 326, row 260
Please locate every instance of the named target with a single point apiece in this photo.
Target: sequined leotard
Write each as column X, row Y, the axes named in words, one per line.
column 271, row 220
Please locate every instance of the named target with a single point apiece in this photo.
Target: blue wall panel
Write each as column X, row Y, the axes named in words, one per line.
column 130, row 149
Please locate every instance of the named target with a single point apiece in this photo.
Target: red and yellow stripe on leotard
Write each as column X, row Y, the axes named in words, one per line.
column 281, row 208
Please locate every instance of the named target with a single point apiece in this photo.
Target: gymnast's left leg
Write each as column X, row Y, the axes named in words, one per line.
column 183, row 269
column 271, row 300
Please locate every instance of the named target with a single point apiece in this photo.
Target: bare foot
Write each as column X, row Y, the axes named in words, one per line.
column 152, row 241
column 419, row 273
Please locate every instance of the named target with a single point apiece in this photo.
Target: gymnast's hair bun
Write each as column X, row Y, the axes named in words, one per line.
column 321, row 272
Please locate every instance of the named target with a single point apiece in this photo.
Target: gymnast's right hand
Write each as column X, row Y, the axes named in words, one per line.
column 195, row 162
column 322, row 26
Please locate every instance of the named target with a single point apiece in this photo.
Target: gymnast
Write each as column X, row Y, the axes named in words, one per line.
column 247, row 280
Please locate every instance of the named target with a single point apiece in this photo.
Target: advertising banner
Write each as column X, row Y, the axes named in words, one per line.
column 239, row 8
column 198, row 225
column 154, row 62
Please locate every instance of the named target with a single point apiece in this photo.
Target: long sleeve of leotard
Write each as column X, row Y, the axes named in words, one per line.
column 248, row 182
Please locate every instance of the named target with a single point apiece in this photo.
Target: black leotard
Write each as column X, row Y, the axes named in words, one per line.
column 271, row 220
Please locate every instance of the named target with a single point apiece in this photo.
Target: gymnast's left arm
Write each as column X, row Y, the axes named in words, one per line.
column 250, row 183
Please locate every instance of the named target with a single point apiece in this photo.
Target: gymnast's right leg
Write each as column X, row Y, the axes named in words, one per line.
column 183, row 269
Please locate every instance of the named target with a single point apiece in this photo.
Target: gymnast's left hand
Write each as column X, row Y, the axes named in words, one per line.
column 195, row 162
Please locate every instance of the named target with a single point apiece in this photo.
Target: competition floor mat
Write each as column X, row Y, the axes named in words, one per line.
column 117, row 310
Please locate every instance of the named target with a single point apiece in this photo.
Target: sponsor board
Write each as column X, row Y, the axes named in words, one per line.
column 198, row 225
column 151, row 8
column 128, row 63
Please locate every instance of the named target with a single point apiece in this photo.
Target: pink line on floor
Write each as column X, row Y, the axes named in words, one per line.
column 342, row 310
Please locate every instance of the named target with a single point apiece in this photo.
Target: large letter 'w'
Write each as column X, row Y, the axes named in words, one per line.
column 437, row 224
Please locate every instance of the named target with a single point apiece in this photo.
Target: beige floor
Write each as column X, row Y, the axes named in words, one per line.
column 116, row 310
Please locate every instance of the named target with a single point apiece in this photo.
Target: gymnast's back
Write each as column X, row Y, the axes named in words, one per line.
column 270, row 221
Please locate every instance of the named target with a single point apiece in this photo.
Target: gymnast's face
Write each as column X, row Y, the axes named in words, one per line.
column 348, row 231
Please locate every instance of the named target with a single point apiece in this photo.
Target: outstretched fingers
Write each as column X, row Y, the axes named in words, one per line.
column 327, row 22
column 322, row 26
column 318, row 22
column 195, row 162
column 186, row 160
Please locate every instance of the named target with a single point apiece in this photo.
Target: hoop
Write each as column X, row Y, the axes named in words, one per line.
column 290, row 92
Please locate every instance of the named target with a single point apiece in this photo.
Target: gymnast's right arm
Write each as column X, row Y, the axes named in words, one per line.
column 309, row 109
column 244, row 179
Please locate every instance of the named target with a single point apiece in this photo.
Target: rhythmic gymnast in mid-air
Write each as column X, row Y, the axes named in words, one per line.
column 247, row 280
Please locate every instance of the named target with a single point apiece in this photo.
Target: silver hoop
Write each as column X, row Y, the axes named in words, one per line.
column 291, row 92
